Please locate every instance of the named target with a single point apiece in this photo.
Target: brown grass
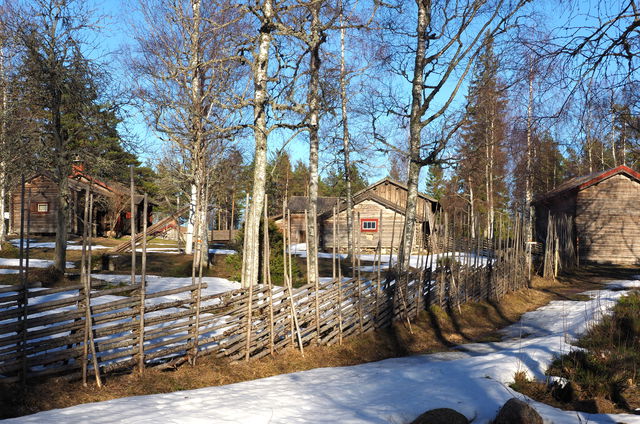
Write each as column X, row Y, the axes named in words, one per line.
column 602, row 378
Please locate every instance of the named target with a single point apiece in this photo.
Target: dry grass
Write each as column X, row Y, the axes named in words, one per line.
column 603, row 378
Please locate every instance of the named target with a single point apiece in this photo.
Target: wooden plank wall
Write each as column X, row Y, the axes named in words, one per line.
column 43, row 190
column 608, row 221
column 367, row 209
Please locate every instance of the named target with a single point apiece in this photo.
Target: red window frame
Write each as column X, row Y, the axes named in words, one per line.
column 37, row 204
column 369, row 230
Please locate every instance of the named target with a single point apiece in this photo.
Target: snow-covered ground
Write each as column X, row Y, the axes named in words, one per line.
column 175, row 250
column 473, row 381
column 33, row 263
column 156, row 283
column 71, row 245
column 416, row 261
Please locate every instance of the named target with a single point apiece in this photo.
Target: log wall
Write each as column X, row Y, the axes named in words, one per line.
column 389, row 227
column 43, row 191
column 608, row 221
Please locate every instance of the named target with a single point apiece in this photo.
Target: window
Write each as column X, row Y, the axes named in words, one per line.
column 369, row 225
column 43, row 208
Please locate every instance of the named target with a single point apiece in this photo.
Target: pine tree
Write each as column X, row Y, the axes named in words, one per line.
column 482, row 149
column 335, row 183
column 436, row 182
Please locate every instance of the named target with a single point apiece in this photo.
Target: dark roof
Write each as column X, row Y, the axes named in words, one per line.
column 582, row 182
column 79, row 180
column 301, row 204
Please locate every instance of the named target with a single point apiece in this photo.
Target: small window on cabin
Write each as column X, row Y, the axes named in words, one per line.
column 369, row 225
column 43, row 208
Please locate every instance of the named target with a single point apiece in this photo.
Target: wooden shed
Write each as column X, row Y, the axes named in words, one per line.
column 604, row 210
column 111, row 205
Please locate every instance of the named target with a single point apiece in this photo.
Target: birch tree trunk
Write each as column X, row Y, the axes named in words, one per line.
column 188, row 247
column 3, row 144
column 314, row 140
column 487, row 179
column 3, row 206
column 472, row 207
column 345, row 134
column 250, row 263
column 492, row 145
column 528, row 194
column 415, row 128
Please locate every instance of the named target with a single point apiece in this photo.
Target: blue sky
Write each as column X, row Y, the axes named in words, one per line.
column 120, row 14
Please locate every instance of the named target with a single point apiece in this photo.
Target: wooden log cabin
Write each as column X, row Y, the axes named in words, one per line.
column 379, row 215
column 112, row 208
column 297, row 205
column 379, row 212
column 604, row 209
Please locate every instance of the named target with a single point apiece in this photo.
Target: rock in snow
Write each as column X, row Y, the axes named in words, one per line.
column 516, row 411
column 441, row 416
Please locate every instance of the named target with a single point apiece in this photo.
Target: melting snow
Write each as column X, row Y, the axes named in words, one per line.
column 473, row 380
column 33, row 263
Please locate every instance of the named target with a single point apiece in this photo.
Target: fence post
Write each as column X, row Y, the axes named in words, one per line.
column 143, row 285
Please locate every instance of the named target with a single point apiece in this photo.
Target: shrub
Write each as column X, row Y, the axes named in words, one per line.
column 276, row 261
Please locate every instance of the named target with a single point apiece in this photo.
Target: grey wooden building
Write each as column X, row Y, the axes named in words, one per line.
column 378, row 213
column 604, row 210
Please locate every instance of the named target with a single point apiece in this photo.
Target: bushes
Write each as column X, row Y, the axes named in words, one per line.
column 276, row 261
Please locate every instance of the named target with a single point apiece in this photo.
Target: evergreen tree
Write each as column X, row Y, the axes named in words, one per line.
column 62, row 94
column 436, row 182
column 334, row 185
column 279, row 180
column 482, row 153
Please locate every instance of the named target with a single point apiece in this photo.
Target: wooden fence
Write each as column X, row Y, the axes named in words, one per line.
column 48, row 331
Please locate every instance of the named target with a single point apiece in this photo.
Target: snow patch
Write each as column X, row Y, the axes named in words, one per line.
column 473, row 380
column 33, row 263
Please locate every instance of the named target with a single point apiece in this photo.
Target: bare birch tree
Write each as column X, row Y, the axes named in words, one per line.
column 264, row 12
column 185, row 72
column 446, row 40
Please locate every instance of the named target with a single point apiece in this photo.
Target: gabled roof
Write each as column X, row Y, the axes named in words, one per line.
column 369, row 194
column 299, row 204
column 325, row 204
column 585, row 181
column 80, row 180
column 396, row 183
column 361, row 197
